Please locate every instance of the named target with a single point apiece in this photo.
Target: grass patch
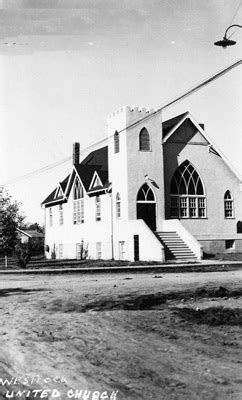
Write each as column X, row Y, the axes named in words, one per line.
column 212, row 316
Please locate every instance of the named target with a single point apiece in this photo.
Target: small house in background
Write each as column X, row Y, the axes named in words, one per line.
column 35, row 238
column 30, row 236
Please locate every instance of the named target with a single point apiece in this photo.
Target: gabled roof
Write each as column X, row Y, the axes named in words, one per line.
column 97, row 157
column 64, row 183
column 97, row 161
column 173, row 124
column 51, row 198
column 168, row 125
column 99, row 189
column 31, row 233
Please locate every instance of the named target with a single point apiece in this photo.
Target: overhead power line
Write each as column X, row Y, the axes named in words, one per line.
column 168, row 104
column 235, row 13
column 49, row 166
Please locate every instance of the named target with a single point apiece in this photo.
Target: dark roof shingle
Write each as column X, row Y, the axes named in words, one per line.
column 170, row 123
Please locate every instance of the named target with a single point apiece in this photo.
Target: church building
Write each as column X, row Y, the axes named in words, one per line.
column 157, row 190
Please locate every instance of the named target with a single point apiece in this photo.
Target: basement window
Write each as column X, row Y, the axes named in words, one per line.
column 229, row 244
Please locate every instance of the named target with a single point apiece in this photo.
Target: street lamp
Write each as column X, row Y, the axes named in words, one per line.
column 225, row 42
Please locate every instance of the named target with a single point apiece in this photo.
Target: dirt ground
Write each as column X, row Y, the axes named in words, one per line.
column 121, row 336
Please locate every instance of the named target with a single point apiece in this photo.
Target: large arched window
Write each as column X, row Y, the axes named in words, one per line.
column 118, row 206
column 144, row 140
column 228, row 205
column 116, row 142
column 78, row 203
column 187, row 193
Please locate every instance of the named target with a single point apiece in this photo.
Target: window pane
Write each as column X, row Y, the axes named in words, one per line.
column 183, row 207
column 150, row 195
column 174, row 210
column 191, row 187
column 144, row 140
column 182, row 188
column 192, row 207
column 174, row 188
column 199, row 187
column 116, row 142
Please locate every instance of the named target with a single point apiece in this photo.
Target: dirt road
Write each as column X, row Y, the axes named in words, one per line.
column 123, row 336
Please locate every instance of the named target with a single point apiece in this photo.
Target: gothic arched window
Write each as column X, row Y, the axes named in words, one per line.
column 50, row 217
column 187, row 193
column 78, row 202
column 228, row 205
column 116, row 142
column 145, row 194
column 144, row 140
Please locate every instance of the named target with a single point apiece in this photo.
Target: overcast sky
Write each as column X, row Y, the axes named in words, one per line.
column 66, row 64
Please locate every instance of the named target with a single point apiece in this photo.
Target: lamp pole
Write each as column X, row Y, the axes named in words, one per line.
column 225, row 42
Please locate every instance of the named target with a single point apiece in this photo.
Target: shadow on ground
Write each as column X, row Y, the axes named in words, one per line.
column 212, row 316
column 141, row 302
column 11, row 291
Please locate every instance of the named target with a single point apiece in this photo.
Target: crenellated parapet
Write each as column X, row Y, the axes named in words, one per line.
column 126, row 116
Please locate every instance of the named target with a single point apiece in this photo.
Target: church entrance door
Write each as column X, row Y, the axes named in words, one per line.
column 146, row 206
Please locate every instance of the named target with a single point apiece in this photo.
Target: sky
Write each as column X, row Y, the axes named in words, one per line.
column 66, row 64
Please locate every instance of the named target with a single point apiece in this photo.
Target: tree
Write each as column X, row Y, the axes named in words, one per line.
column 12, row 218
column 33, row 227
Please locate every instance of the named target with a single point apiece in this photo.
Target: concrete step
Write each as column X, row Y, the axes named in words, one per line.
column 175, row 247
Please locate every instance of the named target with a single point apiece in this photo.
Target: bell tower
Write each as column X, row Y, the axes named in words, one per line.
column 135, row 162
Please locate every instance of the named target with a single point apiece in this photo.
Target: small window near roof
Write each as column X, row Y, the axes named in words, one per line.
column 116, row 142
column 144, row 140
column 228, row 205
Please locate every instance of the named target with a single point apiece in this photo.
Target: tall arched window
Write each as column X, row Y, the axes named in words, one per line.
column 98, row 208
column 50, row 217
column 78, row 203
column 187, row 194
column 144, row 140
column 61, row 214
column 118, row 206
column 228, row 205
column 116, row 142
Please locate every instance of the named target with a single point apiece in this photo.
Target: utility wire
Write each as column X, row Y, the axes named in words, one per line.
column 49, row 166
column 236, row 12
column 232, row 20
column 170, row 103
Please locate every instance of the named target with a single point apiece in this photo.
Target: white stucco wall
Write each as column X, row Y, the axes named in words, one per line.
column 217, row 178
column 91, row 231
column 127, row 169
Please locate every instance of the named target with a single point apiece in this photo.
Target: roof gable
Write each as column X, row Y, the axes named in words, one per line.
column 168, row 125
column 187, row 133
column 96, row 181
column 212, row 147
column 57, row 196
